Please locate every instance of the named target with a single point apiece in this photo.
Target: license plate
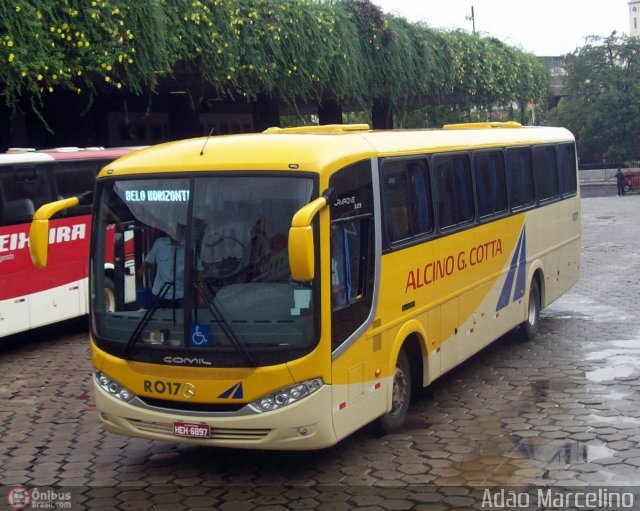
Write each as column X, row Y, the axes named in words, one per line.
column 191, row 430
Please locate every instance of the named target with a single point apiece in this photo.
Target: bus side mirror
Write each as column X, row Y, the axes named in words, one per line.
column 39, row 231
column 301, row 247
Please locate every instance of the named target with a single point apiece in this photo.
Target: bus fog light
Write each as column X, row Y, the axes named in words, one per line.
column 286, row 396
column 302, row 431
column 113, row 387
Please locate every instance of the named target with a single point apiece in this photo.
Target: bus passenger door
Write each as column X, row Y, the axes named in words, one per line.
column 352, row 273
column 124, row 267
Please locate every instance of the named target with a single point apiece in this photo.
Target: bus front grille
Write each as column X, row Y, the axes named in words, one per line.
column 167, row 405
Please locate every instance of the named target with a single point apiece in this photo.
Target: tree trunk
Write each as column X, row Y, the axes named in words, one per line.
column 266, row 112
column 329, row 111
column 381, row 114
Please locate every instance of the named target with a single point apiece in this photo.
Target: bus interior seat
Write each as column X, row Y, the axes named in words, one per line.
column 18, row 211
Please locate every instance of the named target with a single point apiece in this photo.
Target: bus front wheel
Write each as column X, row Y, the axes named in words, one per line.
column 530, row 326
column 393, row 420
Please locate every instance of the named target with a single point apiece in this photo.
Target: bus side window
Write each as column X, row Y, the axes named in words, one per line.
column 453, row 189
column 491, row 187
column 520, row 178
column 545, row 172
column 73, row 178
column 407, row 199
column 24, row 188
column 567, row 169
column 36, row 185
column 18, row 211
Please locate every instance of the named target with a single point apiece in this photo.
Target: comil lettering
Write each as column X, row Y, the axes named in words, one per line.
column 450, row 264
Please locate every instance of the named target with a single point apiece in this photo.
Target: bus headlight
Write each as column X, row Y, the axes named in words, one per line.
column 113, row 387
column 286, row 396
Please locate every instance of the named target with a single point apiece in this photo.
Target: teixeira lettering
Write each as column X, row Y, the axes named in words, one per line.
column 62, row 234
column 446, row 266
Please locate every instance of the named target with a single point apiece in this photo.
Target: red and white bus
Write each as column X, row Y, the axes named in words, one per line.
column 31, row 297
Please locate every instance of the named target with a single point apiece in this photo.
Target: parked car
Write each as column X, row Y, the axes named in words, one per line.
column 631, row 180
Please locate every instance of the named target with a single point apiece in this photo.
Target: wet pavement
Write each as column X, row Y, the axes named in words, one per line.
column 562, row 411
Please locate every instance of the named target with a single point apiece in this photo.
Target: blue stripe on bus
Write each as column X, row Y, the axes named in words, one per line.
column 518, row 262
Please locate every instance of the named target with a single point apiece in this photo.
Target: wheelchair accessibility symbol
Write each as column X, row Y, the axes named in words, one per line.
column 199, row 336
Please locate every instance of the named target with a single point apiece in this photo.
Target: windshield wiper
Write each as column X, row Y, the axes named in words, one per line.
column 210, row 301
column 144, row 321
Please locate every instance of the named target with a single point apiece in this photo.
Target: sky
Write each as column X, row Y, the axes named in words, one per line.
column 541, row 27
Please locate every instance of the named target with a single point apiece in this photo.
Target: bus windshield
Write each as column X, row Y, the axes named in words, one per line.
column 207, row 259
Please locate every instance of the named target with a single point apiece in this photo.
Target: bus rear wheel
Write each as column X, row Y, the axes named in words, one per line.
column 530, row 326
column 393, row 420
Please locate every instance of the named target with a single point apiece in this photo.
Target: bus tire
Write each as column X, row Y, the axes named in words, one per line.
column 393, row 420
column 530, row 326
column 109, row 295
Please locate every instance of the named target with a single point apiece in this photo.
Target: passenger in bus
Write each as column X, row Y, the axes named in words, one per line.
column 167, row 255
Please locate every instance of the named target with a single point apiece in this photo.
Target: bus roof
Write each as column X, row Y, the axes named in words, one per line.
column 74, row 153
column 28, row 155
column 324, row 148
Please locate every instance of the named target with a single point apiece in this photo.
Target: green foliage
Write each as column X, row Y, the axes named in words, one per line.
column 81, row 45
column 298, row 50
column 602, row 103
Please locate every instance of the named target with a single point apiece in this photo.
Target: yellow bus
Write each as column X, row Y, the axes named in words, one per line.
column 297, row 284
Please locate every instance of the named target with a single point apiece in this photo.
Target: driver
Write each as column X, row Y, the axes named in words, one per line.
column 167, row 255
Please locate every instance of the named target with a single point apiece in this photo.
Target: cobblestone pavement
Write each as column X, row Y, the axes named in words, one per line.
column 563, row 410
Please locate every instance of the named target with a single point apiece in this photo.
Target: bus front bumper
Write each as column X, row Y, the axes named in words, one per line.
column 305, row 425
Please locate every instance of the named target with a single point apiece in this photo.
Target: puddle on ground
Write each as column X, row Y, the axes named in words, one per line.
column 614, row 419
column 616, row 396
column 598, row 452
column 609, row 373
column 561, row 452
column 542, row 388
column 621, row 358
column 575, row 305
column 535, row 459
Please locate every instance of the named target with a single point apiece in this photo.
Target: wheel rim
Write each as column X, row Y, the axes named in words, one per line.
column 533, row 309
column 400, row 386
